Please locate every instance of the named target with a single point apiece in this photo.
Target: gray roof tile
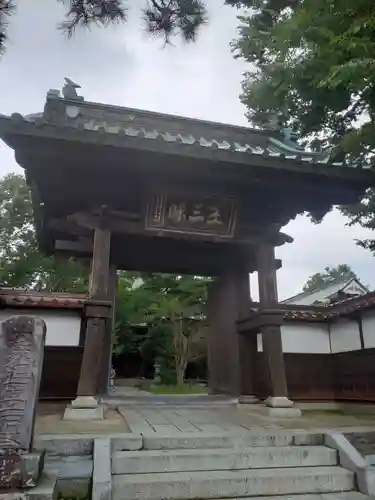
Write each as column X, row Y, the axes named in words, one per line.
column 125, row 122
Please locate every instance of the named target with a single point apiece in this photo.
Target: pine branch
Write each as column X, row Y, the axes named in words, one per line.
column 7, row 8
column 87, row 12
column 162, row 17
column 177, row 17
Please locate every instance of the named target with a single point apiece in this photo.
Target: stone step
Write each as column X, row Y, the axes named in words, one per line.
column 146, row 461
column 231, row 484
column 73, row 475
column 203, row 440
column 345, row 495
column 46, row 489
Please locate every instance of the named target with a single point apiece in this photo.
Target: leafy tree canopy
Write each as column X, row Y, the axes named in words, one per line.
column 330, row 275
column 313, row 64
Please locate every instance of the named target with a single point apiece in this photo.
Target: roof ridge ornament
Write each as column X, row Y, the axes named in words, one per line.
column 69, row 90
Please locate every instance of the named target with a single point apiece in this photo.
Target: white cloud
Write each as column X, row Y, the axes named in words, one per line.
column 121, row 65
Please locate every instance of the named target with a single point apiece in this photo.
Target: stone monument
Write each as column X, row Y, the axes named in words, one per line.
column 21, row 359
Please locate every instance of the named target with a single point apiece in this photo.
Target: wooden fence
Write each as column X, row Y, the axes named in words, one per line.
column 320, row 377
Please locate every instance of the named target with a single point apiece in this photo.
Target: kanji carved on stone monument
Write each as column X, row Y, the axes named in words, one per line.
column 21, row 360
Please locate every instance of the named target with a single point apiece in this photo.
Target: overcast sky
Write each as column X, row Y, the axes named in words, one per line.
column 121, row 65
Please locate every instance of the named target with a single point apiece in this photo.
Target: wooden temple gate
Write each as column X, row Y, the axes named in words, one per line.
column 136, row 190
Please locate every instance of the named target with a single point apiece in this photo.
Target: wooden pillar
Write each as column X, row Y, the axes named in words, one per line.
column 224, row 362
column 271, row 334
column 97, row 315
column 99, row 279
column 106, row 362
column 247, row 343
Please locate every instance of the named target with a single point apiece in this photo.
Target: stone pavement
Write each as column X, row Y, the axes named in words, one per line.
column 169, row 419
column 176, row 419
column 142, row 413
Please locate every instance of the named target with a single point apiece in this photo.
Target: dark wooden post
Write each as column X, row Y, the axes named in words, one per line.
column 99, row 279
column 98, row 312
column 106, row 362
column 247, row 343
column 271, row 334
column 229, row 354
column 223, row 346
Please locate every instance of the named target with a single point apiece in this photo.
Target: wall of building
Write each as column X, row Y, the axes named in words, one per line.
column 345, row 335
column 301, row 337
column 368, row 327
column 326, row 362
column 320, row 338
column 63, row 326
column 305, row 338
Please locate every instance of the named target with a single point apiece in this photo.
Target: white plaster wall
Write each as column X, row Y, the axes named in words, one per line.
column 368, row 326
column 345, row 336
column 310, row 338
column 63, row 327
column 303, row 338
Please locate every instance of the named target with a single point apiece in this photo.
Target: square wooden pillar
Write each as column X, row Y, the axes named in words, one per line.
column 100, row 272
column 98, row 315
column 223, row 345
column 271, row 334
column 230, row 355
column 247, row 343
column 106, row 362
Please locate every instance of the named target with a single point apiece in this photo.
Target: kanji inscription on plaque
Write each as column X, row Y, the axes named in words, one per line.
column 213, row 216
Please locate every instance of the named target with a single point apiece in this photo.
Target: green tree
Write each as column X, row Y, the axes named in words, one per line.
column 131, row 303
column 312, row 70
column 330, row 275
column 21, row 262
column 173, row 310
column 162, row 18
column 179, row 305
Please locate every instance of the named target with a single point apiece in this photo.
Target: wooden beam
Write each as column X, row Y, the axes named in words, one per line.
column 69, row 246
column 130, row 223
column 66, row 226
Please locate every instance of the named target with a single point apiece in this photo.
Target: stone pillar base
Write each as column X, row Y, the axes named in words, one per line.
column 85, row 402
column 282, row 407
column 72, row 413
column 278, row 402
column 84, row 408
column 284, row 412
column 248, row 399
